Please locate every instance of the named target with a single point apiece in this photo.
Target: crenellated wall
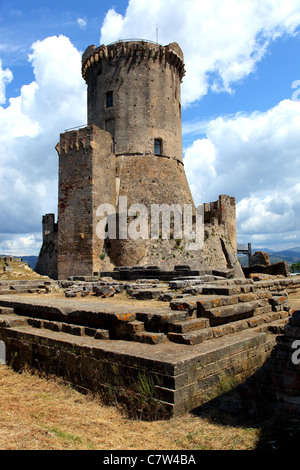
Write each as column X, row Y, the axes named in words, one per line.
column 144, row 79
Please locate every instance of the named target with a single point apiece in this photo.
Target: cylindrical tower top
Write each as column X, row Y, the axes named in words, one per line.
column 134, row 93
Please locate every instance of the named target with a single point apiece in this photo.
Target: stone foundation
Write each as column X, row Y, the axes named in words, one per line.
column 276, row 385
column 165, row 357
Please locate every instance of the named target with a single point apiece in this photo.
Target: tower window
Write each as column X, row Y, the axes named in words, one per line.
column 109, row 99
column 157, row 146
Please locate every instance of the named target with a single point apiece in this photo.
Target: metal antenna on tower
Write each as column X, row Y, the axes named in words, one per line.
column 156, row 34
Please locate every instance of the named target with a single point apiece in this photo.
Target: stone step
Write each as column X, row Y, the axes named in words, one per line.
column 201, row 303
column 226, row 313
column 191, row 338
column 75, row 330
column 149, row 338
column 134, row 331
column 272, row 322
column 189, row 325
column 6, row 310
column 5, row 291
column 221, row 290
column 160, row 321
column 231, row 289
column 11, row 320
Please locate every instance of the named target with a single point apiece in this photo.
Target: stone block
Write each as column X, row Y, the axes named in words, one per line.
column 191, row 338
column 227, row 313
column 188, row 325
column 221, row 290
column 150, row 338
column 72, row 329
column 101, row 334
column 53, row 326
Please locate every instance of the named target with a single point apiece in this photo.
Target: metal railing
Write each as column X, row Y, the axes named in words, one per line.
column 74, row 128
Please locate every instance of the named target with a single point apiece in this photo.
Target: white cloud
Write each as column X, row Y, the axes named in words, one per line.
column 6, row 76
column 21, row 244
column 256, row 159
column 81, row 23
column 222, row 41
column 31, row 125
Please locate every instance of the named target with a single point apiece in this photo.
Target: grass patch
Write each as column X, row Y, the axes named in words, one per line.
column 38, row 413
column 65, row 436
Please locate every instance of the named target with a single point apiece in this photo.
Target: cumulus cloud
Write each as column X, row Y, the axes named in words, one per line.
column 249, row 156
column 222, row 41
column 6, row 76
column 255, row 158
column 31, row 124
column 20, row 244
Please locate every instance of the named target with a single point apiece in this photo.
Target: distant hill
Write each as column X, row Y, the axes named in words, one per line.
column 291, row 256
column 30, row 260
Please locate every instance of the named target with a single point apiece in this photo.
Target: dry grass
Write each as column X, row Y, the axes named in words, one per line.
column 45, row 414
column 21, row 271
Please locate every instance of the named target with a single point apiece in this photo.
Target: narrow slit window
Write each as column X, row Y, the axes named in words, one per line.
column 157, row 146
column 109, row 99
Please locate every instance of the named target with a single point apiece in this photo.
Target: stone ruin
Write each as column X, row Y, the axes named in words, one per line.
column 185, row 337
column 131, row 148
column 143, row 312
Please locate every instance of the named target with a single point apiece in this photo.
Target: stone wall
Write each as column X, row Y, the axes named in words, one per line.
column 276, row 385
column 86, row 179
column 47, row 260
column 133, row 100
column 145, row 81
column 213, row 334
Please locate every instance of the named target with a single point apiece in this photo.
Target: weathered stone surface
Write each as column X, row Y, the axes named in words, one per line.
column 104, row 291
column 260, row 258
column 277, row 383
column 188, row 325
column 276, row 269
column 221, row 290
column 224, row 314
column 186, row 370
column 131, row 148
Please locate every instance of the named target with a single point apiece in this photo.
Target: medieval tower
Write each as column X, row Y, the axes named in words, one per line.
column 131, row 147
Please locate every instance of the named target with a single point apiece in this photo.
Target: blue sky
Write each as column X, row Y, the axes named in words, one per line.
column 240, row 115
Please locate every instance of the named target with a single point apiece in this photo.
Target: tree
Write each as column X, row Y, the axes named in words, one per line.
column 295, row 268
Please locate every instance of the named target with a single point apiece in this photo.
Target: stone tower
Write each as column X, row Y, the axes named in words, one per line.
column 132, row 147
column 133, row 91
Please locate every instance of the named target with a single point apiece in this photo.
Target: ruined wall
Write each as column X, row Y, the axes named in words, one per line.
column 47, row 260
column 220, row 247
column 86, row 179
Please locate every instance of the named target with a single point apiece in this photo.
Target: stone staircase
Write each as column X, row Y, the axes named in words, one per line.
column 219, row 315
column 189, row 320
